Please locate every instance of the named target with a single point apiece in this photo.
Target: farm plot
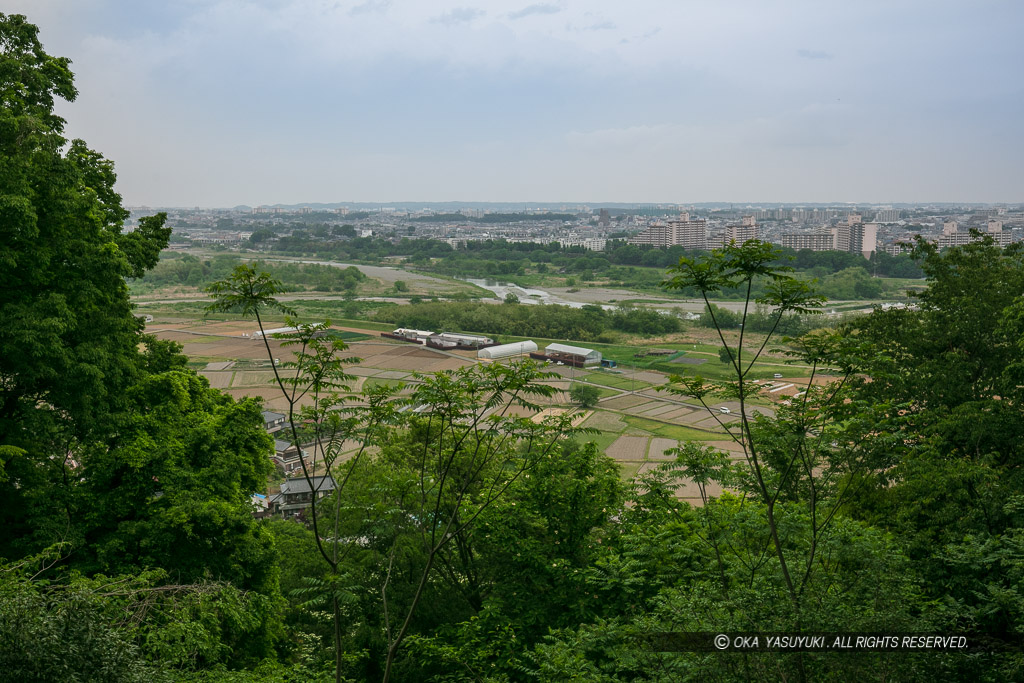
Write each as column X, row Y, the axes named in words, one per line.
column 712, row 422
column 641, row 407
column 392, row 374
column 657, row 410
column 605, row 421
column 412, row 359
column 174, row 335
column 734, row 449
column 658, row 447
column 628, row 448
column 218, row 380
column 257, row 378
column 624, row 402
column 651, row 377
column 615, row 381
column 694, row 417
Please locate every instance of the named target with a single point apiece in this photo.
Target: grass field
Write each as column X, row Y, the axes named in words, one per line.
column 669, row 431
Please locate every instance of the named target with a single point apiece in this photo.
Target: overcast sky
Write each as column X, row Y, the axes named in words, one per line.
column 225, row 102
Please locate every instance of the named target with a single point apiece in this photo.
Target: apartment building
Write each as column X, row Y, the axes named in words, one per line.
column 687, row 233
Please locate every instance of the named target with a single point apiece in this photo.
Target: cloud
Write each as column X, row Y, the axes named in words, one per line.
column 540, row 8
column 166, row 92
column 370, row 7
column 814, row 54
column 459, row 15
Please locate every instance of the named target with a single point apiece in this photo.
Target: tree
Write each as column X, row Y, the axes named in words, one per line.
column 343, row 231
column 68, row 337
column 262, row 235
column 724, row 354
column 952, row 373
column 401, row 286
column 442, row 464
column 584, row 394
column 116, row 458
column 511, row 298
column 784, row 460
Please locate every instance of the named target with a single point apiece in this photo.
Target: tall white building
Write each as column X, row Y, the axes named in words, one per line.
column 690, row 234
column 856, row 237
column 736, row 233
column 815, row 241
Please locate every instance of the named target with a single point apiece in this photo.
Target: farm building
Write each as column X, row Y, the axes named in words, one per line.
column 412, row 334
column 570, row 355
column 507, row 350
column 409, row 335
column 320, row 330
column 270, row 333
column 466, row 340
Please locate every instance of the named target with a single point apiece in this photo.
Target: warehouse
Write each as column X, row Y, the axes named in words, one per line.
column 506, row 350
column 569, row 355
column 467, row 340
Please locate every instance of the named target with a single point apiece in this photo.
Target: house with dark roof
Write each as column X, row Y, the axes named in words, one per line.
column 289, row 456
column 273, row 421
column 298, row 493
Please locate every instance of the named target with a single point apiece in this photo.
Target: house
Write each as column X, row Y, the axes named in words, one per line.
column 260, row 505
column 298, row 493
column 272, row 421
column 288, row 456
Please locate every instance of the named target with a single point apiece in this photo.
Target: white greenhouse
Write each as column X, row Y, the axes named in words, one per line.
column 506, row 350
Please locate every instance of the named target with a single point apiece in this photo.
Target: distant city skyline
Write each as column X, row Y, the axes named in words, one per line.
column 556, row 206
column 220, row 103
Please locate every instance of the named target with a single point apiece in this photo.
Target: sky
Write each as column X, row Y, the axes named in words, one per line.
column 217, row 103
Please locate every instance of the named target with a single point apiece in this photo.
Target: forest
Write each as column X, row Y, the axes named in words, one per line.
column 841, row 275
column 463, row 541
column 182, row 269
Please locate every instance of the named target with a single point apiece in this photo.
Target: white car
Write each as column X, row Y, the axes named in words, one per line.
column 725, row 410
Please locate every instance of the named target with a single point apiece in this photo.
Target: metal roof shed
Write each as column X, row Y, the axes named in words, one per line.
column 507, row 350
column 587, row 356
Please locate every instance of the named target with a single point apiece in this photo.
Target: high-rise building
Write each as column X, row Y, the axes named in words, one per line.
column 590, row 243
column 957, row 238
column 815, row 241
column 690, row 234
column 735, row 233
column 856, row 237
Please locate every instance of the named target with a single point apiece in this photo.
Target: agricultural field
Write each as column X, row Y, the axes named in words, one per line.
column 635, row 421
